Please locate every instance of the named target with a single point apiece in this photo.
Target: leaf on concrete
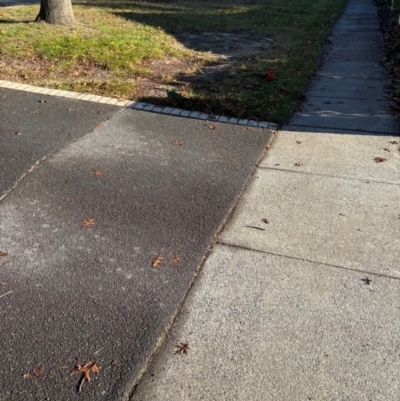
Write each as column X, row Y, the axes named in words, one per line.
column 380, row 159
column 88, row 223
column 3, row 253
column 176, row 259
column 157, row 261
column 265, row 221
column 394, row 142
column 298, row 164
column 38, row 371
column 182, row 348
column 366, row 280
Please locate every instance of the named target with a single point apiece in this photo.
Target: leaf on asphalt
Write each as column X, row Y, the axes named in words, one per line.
column 97, row 173
column 177, row 143
column 3, row 253
column 298, row 164
column 157, row 261
column 366, row 280
column 182, row 348
column 25, row 375
column 38, row 371
column 86, row 369
column 88, row 223
column 212, row 126
column 380, row 159
column 176, row 259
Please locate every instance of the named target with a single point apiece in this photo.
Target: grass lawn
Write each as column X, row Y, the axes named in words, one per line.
column 136, row 49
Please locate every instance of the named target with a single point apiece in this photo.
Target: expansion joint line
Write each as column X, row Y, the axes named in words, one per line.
column 245, row 248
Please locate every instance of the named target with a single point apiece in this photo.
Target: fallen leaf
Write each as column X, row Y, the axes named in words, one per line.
column 366, row 280
column 25, row 375
column 379, row 159
column 156, row 261
column 298, row 142
column 33, row 112
column 85, row 371
column 177, row 143
column 265, row 221
column 99, row 125
column 3, row 253
column 298, row 164
column 175, row 259
column 38, row 371
column 88, row 223
column 212, row 126
column 182, row 348
column 394, row 142
column 97, row 173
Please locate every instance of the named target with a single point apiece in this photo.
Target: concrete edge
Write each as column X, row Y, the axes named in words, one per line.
column 135, row 105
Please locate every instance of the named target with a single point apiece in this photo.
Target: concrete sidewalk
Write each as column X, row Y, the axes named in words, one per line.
column 299, row 300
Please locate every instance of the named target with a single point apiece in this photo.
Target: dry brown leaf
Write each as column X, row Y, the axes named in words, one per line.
column 212, row 126
column 379, row 159
column 177, row 143
column 3, row 253
column 86, row 369
column 97, row 173
column 88, row 223
column 25, row 375
column 182, row 348
column 156, row 261
column 175, row 259
column 38, row 371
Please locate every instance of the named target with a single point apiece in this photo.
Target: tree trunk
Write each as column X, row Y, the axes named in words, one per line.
column 57, row 12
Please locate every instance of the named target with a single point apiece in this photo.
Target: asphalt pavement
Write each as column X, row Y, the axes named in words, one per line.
column 109, row 216
column 93, row 195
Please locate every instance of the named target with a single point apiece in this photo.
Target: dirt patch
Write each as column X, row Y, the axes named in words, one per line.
column 225, row 51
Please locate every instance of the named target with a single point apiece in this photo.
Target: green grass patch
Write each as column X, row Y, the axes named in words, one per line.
column 128, row 49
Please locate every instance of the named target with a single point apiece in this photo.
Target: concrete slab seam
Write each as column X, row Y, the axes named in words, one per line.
column 363, row 272
column 328, row 175
column 135, row 105
column 337, row 130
